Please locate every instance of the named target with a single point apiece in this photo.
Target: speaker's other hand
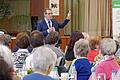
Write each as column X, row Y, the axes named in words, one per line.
column 69, row 15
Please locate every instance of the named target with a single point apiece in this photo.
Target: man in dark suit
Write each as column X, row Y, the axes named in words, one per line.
column 49, row 24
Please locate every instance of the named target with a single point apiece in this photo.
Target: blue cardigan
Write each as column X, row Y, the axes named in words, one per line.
column 83, row 68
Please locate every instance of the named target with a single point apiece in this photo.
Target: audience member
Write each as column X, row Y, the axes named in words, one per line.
column 108, row 63
column 5, row 39
column 75, row 36
column 29, row 48
column 51, row 40
column 44, row 61
column 6, row 64
column 22, row 41
column 82, row 65
column 36, row 40
column 117, row 53
column 94, row 48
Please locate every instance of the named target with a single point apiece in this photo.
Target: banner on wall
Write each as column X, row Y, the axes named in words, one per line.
column 54, row 5
column 116, row 18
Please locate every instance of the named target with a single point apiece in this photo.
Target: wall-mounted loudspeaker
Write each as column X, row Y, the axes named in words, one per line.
column 34, row 20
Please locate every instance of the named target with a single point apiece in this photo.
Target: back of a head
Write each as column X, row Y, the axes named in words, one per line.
column 6, row 53
column 44, row 58
column 107, row 46
column 81, row 48
column 75, row 36
column 22, row 40
column 94, row 42
column 5, row 39
column 52, row 38
column 5, row 70
column 36, row 39
column 6, row 64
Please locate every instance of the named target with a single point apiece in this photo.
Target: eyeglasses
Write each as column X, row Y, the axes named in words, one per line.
column 49, row 13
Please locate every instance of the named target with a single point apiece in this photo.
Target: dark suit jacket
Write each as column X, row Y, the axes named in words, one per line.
column 42, row 26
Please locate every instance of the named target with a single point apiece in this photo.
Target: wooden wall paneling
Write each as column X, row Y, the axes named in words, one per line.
column 13, row 43
column 65, row 41
column 36, row 8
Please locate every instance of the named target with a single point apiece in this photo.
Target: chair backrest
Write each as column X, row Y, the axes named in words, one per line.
column 60, row 64
column 61, row 69
column 61, row 61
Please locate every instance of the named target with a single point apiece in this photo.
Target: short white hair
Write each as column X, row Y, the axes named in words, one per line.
column 43, row 58
column 108, row 46
column 6, row 53
column 81, row 47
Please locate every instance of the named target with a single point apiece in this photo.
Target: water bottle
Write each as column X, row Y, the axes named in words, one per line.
column 93, row 77
column 101, row 76
column 73, row 73
column 54, row 73
column 118, row 74
column 113, row 75
column 22, row 71
column 98, row 78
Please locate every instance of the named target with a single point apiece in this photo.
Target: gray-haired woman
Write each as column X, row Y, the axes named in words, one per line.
column 44, row 60
column 108, row 63
column 82, row 65
column 6, row 64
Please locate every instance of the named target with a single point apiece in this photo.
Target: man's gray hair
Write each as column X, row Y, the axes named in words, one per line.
column 43, row 58
column 108, row 46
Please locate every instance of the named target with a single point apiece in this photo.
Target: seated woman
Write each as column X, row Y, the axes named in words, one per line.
column 108, row 63
column 16, row 47
column 82, row 65
column 5, row 39
column 22, row 41
column 36, row 40
column 6, row 64
column 51, row 41
column 44, row 61
column 75, row 36
column 94, row 48
column 5, row 69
